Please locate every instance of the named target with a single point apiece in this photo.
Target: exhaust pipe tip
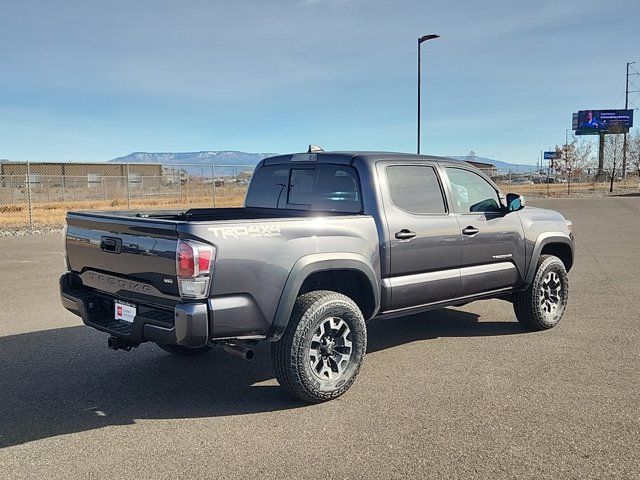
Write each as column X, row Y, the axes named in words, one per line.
column 239, row 351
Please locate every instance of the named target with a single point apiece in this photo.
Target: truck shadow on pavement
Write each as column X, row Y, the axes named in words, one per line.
column 65, row 380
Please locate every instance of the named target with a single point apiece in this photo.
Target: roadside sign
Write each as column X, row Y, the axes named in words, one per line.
column 551, row 155
column 594, row 122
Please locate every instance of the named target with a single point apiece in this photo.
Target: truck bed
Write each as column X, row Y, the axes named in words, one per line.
column 141, row 245
column 130, row 256
column 211, row 214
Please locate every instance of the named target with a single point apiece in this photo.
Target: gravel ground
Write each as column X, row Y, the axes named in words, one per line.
column 21, row 232
column 456, row 393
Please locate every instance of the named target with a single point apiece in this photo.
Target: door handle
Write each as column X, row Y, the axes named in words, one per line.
column 471, row 231
column 405, row 234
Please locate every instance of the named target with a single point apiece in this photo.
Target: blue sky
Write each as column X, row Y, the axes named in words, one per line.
column 92, row 80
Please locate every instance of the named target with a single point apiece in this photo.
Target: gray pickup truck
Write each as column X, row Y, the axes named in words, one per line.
column 325, row 242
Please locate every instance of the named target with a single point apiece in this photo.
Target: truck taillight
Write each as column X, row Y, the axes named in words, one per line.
column 194, row 261
column 64, row 253
column 186, row 264
column 204, row 262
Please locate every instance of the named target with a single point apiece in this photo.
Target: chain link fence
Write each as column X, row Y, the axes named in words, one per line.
column 38, row 195
column 538, row 184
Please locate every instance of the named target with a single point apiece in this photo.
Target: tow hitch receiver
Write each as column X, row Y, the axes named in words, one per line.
column 117, row 343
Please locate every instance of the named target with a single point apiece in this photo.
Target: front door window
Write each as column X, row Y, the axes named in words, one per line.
column 472, row 193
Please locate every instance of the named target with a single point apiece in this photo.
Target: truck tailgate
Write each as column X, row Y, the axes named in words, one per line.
column 128, row 256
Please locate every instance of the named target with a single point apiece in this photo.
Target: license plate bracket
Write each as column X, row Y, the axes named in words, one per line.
column 124, row 312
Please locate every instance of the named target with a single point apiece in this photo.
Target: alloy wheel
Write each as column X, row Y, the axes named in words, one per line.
column 551, row 294
column 331, row 348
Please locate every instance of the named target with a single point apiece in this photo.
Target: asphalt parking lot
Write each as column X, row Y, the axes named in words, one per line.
column 455, row 393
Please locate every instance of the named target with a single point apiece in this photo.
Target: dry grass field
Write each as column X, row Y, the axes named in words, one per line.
column 52, row 214
column 544, row 190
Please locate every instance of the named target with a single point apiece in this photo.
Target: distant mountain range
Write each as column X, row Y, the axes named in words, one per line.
column 230, row 160
column 500, row 166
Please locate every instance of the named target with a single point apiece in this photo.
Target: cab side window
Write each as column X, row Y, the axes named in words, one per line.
column 415, row 189
column 472, row 193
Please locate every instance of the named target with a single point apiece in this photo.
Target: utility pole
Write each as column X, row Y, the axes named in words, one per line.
column 600, row 172
column 566, row 160
column 424, row 38
column 626, row 107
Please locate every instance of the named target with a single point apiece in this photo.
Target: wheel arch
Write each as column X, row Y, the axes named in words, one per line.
column 347, row 273
column 558, row 244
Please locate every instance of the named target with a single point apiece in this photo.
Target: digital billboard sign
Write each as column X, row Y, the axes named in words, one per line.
column 593, row 122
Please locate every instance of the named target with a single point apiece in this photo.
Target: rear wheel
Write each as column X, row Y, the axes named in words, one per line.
column 542, row 305
column 320, row 354
column 182, row 351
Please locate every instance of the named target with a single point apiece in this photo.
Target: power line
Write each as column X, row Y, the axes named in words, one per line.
column 626, row 106
column 618, row 100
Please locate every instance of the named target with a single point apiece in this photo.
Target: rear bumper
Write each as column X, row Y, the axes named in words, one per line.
column 186, row 324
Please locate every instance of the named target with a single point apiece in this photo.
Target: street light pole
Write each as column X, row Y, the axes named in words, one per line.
column 422, row 39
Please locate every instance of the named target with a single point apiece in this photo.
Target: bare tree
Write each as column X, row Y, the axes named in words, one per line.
column 613, row 157
column 573, row 159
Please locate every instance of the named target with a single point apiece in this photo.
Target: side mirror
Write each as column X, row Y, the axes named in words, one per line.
column 515, row 202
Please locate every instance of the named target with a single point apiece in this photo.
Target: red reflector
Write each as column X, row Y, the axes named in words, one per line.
column 204, row 261
column 186, row 264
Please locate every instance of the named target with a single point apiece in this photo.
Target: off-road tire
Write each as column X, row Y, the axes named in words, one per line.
column 528, row 304
column 182, row 351
column 291, row 354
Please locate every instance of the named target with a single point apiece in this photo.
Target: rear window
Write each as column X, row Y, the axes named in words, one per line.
column 323, row 187
column 268, row 185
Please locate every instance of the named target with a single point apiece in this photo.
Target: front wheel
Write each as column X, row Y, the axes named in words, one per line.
column 541, row 306
column 319, row 356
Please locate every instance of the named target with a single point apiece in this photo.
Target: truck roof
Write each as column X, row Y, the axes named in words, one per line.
column 347, row 157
